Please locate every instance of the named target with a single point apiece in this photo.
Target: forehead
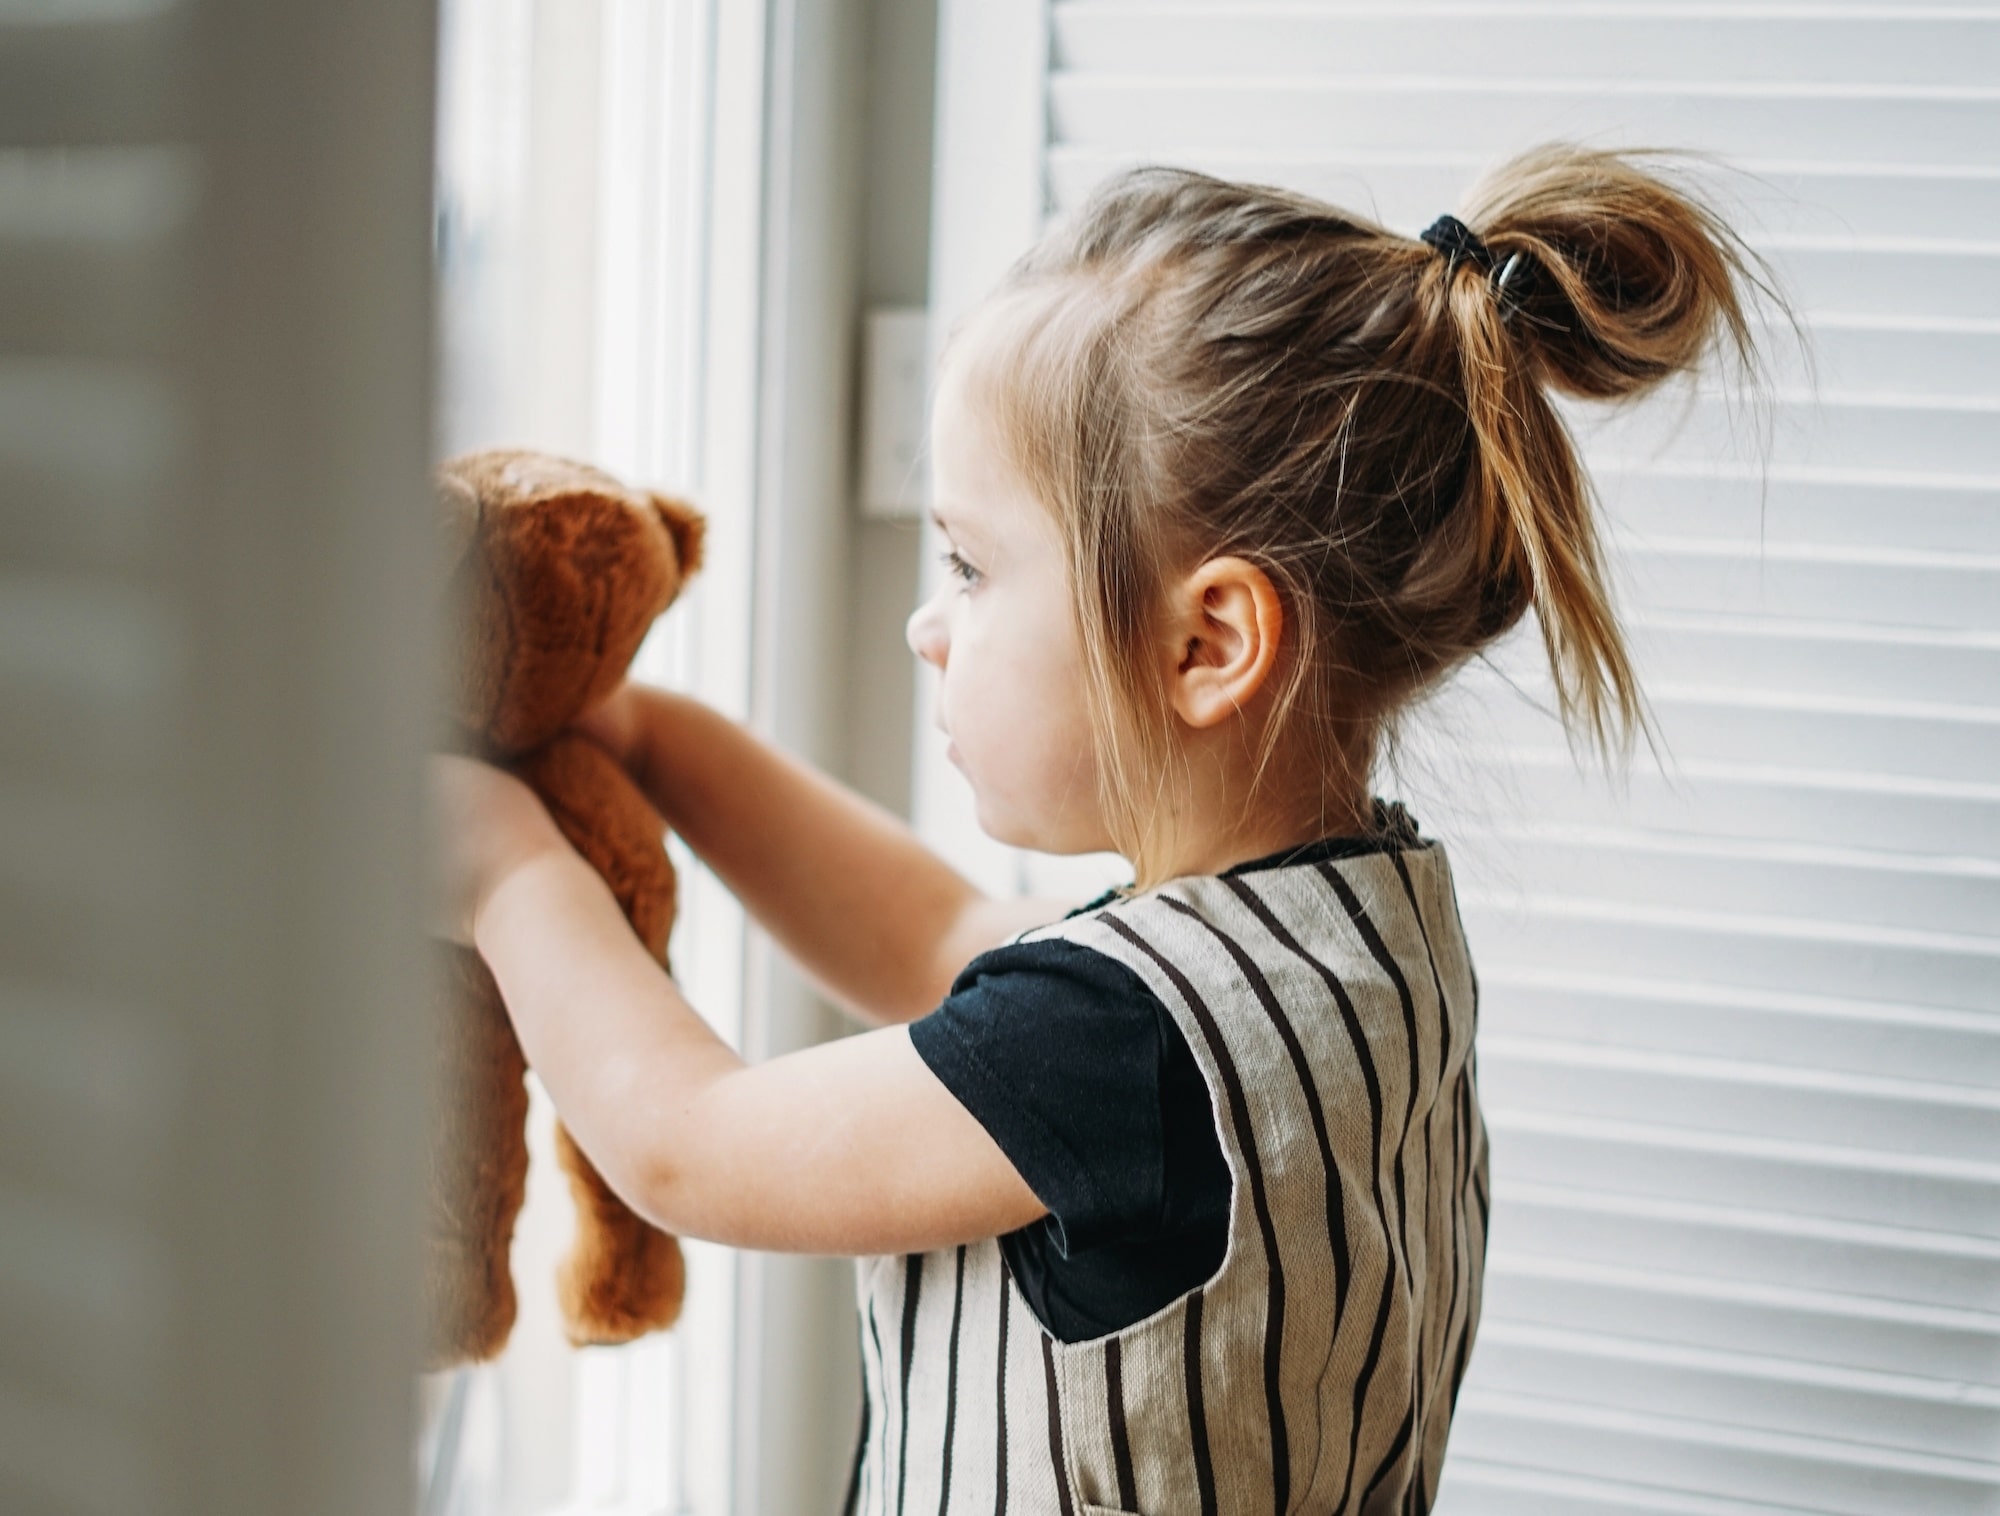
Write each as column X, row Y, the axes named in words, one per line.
column 977, row 487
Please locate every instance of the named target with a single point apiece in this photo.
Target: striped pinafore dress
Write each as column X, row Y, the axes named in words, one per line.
column 1330, row 1007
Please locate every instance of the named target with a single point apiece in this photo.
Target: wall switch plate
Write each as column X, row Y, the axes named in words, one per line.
column 895, row 411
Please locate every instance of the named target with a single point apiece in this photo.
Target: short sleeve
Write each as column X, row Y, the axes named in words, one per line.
column 1057, row 1050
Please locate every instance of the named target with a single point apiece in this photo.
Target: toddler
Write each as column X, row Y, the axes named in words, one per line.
column 1176, row 1202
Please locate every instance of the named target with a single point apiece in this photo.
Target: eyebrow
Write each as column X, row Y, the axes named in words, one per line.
column 952, row 529
column 968, row 534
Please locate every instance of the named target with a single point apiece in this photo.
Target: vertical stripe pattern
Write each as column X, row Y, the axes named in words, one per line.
column 1114, row 1411
column 1057, row 1461
column 951, row 1379
column 1331, row 1009
column 1000, row 1396
column 1267, row 1229
column 913, row 1283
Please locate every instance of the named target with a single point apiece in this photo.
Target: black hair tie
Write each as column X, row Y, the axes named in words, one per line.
column 1460, row 244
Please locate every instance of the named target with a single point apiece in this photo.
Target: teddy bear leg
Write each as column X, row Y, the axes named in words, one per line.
column 622, row 1278
column 479, row 1167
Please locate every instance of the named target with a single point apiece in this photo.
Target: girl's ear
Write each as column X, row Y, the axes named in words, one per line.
column 1226, row 623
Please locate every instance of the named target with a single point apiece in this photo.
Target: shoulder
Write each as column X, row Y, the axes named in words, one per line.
column 1329, row 918
column 1058, row 1051
column 1048, row 959
column 1043, row 957
column 1307, row 885
column 1032, row 1004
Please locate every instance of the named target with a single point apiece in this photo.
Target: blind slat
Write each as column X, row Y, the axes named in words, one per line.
column 1758, row 952
column 1830, row 1120
column 1783, row 1320
column 1866, row 887
column 1405, row 187
column 86, row 443
column 1508, row 1490
column 1946, row 668
column 1833, row 431
column 1916, row 1414
column 1715, row 1241
column 1810, row 1473
column 1801, row 1031
column 89, row 250
column 1780, row 803
column 92, row 81
column 1710, row 498
column 1942, row 128
column 1569, row 42
column 1650, row 1146
column 1780, row 730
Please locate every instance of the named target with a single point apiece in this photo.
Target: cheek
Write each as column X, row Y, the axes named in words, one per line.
column 1041, row 723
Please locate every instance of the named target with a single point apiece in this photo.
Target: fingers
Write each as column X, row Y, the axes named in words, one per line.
column 612, row 723
column 485, row 824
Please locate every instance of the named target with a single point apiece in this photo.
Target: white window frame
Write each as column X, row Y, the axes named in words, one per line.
column 631, row 184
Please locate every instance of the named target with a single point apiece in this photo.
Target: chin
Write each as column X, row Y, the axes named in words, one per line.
column 1014, row 833
column 1007, row 828
column 1006, row 832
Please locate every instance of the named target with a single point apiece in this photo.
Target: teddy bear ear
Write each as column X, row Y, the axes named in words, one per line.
column 687, row 526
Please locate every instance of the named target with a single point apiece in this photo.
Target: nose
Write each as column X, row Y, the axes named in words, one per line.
column 926, row 631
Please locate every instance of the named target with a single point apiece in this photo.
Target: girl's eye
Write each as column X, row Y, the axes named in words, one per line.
column 958, row 567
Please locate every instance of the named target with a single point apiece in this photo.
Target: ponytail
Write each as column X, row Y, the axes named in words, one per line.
column 1605, row 281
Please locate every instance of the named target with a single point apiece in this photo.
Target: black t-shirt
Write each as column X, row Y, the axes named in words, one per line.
column 1085, row 1081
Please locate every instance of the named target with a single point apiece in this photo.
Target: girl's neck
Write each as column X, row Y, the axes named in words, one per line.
column 1219, row 828
column 1224, row 849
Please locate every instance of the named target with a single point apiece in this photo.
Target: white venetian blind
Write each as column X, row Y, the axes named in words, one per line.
column 1740, row 1042
column 214, row 233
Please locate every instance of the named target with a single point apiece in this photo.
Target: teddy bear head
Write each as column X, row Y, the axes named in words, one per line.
column 558, row 571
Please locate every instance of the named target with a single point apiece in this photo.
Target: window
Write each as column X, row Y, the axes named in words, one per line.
column 576, row 238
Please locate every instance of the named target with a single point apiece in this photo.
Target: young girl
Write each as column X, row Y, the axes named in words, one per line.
column 1176, row 1202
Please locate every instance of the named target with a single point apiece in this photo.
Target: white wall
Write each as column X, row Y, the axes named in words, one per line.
column 793, row 1427
column 836, row 677
column 895, row 271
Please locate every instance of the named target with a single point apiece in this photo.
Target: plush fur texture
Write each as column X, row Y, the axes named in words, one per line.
column 558, row 572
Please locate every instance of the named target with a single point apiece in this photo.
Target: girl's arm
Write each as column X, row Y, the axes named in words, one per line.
column 879, row 921
column 850, row 1148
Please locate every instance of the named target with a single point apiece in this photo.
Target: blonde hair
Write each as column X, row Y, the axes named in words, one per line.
column 1188, row 368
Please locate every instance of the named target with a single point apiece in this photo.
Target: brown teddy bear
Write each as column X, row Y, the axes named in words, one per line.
column 557, row 570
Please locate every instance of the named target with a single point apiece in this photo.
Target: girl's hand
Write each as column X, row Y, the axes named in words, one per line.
column 489, row 826
column 617, row 724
